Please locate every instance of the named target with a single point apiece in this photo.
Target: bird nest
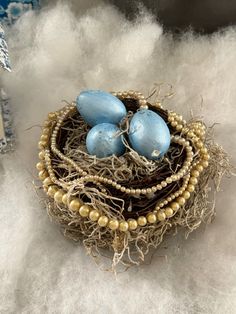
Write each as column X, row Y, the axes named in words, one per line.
column 127, row 204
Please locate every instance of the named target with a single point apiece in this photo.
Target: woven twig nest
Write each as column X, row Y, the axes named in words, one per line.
column 126, row 204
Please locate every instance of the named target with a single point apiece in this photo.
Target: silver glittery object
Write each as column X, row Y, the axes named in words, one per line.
column 6, row 124
column 6, row 131
column 4, row 57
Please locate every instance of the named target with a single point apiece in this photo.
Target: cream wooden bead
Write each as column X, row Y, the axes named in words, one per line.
column 94, row 215
column 168, row 212
column 40, row 166
column 186, row 195
column 113, row 224
column 58, row 196
column 84, row 210
column 41, row 155
column 142, row 221
column 204, row 151
column 193, row 180
column 47, row 181
column 52, row 190
column 151, row 218
column 179, row 127
column 42, row 144
column 75, row 204
column 190, row 188
column 52, row 115
column 132, row 224
column 43, row 174
column 199, row 144
column 46, row 131
column 103, row 221
column 124, row 226
column 47, row 124
column 161, row 216
column 199, row 168
column 65, row 199
column 181, row 200
column 175, row 206
column 206, row 156
column 195, row 173
column 204, row 163
column 44, row 137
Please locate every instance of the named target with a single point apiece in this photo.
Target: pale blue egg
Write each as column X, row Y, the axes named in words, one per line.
column 96, row 107
column 103, row 141
column 149, row 135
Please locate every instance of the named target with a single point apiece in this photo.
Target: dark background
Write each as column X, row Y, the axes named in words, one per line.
column 205, row 16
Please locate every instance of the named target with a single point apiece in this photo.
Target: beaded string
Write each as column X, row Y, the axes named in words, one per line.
column 99, row 179
column 189, row 171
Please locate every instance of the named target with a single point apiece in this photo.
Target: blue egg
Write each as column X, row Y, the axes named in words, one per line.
column 103, row 141
column 96, row 107
column 149, row 134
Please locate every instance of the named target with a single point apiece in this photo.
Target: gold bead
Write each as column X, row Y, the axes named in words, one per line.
column 186, row 195
column 65, row 199
column 142, row 221
column 52, row 190
column 181, row 200
column 124, row 226
column 42, row 144
column 151, row 218
column 47, row 123
column 41, row 155
column 46, row 131
column 43, row 175
column 113, row 224
column 132, row 224
column 199, row 144
column 204, row 163
column 84, row 210
column 169, row 212
column 175, row 206
column 179, row 127
column 193, row 180
column 195, row 173
column 58, row 196
column 47, row 181
column 52, row 115
column 206, row 156
column 204, row 150
column 75, row 204
column 161, row 216
column 190, row 188
column 44, row 137
column 199, row 168
column 202, row 133
column 40, row 166
column 94, row 215
column 103, row 221
column 190, row 134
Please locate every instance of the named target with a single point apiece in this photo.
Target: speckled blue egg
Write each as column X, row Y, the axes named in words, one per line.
column 97, row 107
column 103, row 141
column 149, row 135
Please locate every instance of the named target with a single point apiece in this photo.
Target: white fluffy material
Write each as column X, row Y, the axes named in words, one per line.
column 56, row 54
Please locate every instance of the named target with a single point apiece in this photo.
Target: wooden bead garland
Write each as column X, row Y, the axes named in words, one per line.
column 189, row 136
